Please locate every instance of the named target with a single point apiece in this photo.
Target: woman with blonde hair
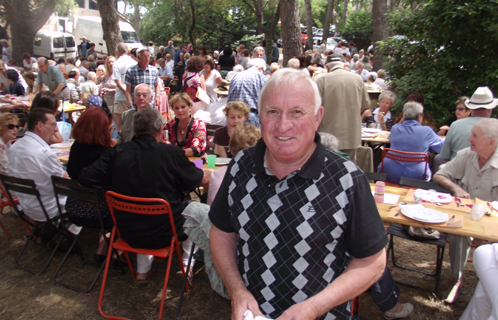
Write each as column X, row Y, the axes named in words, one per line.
column 9, row 125
column 237, row 113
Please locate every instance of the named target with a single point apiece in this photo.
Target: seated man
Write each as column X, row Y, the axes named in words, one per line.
column 32, row 158
column 148, row 168
column 473, row 173
column 296, row 232
column 142, row 96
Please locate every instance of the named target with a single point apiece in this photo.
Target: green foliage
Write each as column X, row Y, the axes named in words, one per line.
column 64, row 8
column 318, row 11
column 359, row 28
column 449, row 48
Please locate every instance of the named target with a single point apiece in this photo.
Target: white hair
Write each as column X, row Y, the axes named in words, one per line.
column 91, row 76
column 489, row 128
column 238, row 68
column 412, row 110
column 372, row 76
column 258, row 63
column 288, row 77
column 329, row 141
column 161, row 48
column 388, row 95
column 256, row 49
column 293, row 63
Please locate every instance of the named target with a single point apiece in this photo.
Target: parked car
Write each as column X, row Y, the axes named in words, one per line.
column 54, row 45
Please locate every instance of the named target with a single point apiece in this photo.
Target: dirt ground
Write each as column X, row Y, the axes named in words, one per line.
column 27, row 296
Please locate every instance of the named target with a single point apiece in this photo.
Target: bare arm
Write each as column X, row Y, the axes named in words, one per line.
column 224, row 253
column 359, row 275
column 157, row 99
column 218, row 80
column 220, row 151
column 120, row 86
column 59, row 88
column 207, row 177
column 203, row 83
column 128, row 95
column 448, row 184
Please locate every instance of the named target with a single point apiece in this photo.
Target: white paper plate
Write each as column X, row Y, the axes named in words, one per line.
column 495, row 205
column 432, row 196
column 222, row 161
column 65, row 144
column 367, row 135
column 55, row 150
column 426, row 215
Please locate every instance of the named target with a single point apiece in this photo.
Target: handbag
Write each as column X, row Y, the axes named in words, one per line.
column 64, row 127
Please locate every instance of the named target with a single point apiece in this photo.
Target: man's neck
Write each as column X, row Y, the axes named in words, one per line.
column 282, row 169
column 143, row 67
column 485, row 156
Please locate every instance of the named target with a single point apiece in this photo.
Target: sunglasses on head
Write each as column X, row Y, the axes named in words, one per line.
column 12, row 126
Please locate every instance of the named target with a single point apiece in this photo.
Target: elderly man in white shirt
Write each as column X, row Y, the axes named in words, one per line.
column 32, row 158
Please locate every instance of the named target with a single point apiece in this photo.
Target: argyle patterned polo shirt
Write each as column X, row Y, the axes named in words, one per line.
column 298, row 234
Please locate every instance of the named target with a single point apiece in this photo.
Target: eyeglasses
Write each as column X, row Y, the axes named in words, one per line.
column 11, row 126
column 460, row 109
column 145, row 95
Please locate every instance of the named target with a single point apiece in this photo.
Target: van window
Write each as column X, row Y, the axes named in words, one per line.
column 38, row 41
column 70, row 42
column 81, row 3
column 58, row 43
column 93, row 5
column 129, row 36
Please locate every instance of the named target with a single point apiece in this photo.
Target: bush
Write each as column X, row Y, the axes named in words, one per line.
column 359, row 29
column 448, row 49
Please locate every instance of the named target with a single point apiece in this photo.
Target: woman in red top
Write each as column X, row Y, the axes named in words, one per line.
column 184, row 131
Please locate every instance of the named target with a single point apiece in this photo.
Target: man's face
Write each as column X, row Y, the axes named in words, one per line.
column 43, row 67
column 162, row 64
column 184, row 49
column 360, row 68
column 46, row 130
column 170, row 43
column 480, row 143
column 168, row 57
column 142, row 97
column 259, row 54
column 143, row 59
column 288, row 121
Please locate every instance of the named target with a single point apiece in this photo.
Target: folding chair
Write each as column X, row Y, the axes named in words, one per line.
column 404, row 156
column 27, row 186
column 149, row 206
column 71, row 188
column 5, row 202
column 399, row 231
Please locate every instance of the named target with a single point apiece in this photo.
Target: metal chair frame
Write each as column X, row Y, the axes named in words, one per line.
column 149, row 206
column 71, row 188
column 27, row 186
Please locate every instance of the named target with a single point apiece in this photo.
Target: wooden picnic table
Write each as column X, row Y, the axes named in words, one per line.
column 486, row 228
column 380, row 138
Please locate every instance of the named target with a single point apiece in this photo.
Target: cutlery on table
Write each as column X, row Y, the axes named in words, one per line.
column 451, row 220
column 397, row 214
column 402, row 203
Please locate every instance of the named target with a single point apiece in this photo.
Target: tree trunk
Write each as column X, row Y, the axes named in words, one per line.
column 137, row 20
column 309, row 23
column 110, row 24
column 345, row 13
column 291, row 33
column 25, row 23
column 329, row 17
column 269, row 33
column 379, row 17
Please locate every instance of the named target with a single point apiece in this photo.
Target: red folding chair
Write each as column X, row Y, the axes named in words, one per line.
column 149, row 206
column 404, row 156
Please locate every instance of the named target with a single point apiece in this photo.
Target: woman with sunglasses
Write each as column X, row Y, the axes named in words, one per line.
column 461, row 112
column 9, row 125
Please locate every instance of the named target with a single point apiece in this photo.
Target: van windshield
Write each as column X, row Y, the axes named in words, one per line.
column 58, row 42
column 129, row 36
column 70, row 42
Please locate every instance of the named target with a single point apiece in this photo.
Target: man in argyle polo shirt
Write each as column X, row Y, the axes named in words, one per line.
column 296, row 233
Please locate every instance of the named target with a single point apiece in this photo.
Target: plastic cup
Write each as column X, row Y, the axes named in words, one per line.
column 198, row 163
column 211, row 160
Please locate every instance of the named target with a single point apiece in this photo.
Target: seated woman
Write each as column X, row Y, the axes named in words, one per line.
column 381, row 114
column 16, row 87
column 9, row 125
column 92, row 138
column 411, row 136
column 244, row 136
column 185, row 131
column 461, row 112
column 48, row 99
column 237, row 113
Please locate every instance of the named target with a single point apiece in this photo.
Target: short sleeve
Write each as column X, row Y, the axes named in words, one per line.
column 116, row 75
column 365, row 232
column 128, row 77
column 455, row 169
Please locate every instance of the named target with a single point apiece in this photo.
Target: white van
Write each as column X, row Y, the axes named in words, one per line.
column 91, row 28
column 54, row 45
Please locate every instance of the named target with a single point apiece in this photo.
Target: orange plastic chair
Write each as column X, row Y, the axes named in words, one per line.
column 404, row 156
column 149, row 206
column 167, row 90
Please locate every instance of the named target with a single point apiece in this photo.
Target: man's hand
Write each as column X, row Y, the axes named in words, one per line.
column 242, row 301
column 300, row 311
column 460, row 193
column 207, row 176
column 381, row 116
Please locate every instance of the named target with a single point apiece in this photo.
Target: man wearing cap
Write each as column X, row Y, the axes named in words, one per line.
column 246, row 85
column 482, row 104
column 142, row 72
column 473, row 173
column 53, row 78
column 216, row 108
column 343, row 97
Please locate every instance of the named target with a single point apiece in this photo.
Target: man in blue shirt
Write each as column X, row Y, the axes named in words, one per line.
column 179, row 66
column 83, row 46
column 165, row 72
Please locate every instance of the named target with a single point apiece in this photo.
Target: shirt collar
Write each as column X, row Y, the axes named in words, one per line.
column 310, row 170
column 36, row 137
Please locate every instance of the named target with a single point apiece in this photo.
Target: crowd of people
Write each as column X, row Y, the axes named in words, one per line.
column 292, row 215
